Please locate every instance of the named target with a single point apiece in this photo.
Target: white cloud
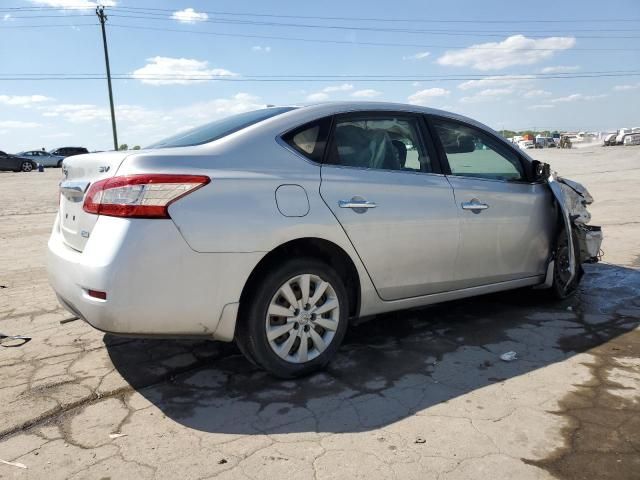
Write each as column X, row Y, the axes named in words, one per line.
column 323, row 95
column 181, row 71
column 58, row 135
column 578, row 96
column 189, row 15
column 498, row 81
column 75, row 4
column 18, row 124
column 345, row 87
column 624, row 88
column 537, row 93
column 540, row 107
column 219, row 107
column 366, row 93
column 423, row 97
column 560, row 69
column 486, row 95
column 260, row 48
column 417, row 56
column 23, row 100
column 515, row 50
column 7, row 17
column 318, row 97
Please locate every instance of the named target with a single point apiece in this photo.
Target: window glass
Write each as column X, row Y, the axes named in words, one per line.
column 220, row 128
column 309, row 140
column 471, row 153
column 386, row 143
column 306, row 139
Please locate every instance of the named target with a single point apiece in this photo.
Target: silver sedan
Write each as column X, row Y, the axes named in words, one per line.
column 42, row 157
column 276, row 228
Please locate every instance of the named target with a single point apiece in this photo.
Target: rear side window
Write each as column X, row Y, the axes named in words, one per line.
column 310, row 140
column 380, row 142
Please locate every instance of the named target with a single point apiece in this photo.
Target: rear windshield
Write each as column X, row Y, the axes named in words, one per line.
column 219, row 128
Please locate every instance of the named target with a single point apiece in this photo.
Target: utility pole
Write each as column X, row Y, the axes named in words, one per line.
column 103, row 18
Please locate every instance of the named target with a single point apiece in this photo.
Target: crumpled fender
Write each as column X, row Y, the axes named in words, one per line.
column 573, row 198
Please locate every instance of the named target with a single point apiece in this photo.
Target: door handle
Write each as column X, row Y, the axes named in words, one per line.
column 474, row 204
column 353, row 203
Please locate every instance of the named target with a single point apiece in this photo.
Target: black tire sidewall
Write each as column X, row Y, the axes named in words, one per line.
column 559, row 291
column 252, row 333
column 22, row 167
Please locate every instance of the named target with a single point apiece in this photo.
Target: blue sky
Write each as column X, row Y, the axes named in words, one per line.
column 496, row 81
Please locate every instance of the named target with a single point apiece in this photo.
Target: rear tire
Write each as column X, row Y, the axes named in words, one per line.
column 560, row 289
column 26, row 166
column 59, row 164
column 294, row 322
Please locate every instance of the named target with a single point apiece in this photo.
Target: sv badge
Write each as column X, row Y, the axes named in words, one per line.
column 103, row 169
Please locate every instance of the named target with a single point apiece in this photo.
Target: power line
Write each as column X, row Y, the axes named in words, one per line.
column 202, row 78
column 352, row 19
column 322, row 41
column 505, row 76
column 355, row 28
column 146, row 15
column 365, row 43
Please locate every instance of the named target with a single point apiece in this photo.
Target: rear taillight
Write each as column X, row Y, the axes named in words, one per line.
column 139, row 196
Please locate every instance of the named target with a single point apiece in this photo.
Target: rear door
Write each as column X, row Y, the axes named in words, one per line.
column 506, row 221
column 381, row 180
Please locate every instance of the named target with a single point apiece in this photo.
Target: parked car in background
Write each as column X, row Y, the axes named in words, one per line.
column 281, row 225
column 610, row 139
column 15, row 163
column 621, row 134
column 42, row 157
column 526, row 144
column 69, row 151
column 632, row 139
column 545, row 142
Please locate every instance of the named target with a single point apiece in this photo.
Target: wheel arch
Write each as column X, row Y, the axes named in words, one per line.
column 313, row 247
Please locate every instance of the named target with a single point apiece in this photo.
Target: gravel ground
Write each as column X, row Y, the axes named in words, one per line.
column 419, row 394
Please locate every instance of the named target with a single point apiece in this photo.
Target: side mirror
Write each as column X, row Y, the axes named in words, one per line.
column 541, row 171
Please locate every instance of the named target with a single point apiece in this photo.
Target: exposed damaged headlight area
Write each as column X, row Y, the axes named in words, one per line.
column 573, row 199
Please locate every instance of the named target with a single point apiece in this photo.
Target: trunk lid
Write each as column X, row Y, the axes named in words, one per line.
column 80, row 172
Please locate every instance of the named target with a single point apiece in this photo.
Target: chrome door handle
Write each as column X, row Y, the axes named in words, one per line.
column 356, row 204
column 474, row 204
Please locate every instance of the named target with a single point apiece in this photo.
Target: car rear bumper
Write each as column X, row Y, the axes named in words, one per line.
column 156, row 285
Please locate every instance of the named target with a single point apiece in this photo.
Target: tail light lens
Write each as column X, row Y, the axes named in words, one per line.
column 139, row 196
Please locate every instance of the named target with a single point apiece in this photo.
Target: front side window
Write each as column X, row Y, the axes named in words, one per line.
column 472, row 153
column 380, row 142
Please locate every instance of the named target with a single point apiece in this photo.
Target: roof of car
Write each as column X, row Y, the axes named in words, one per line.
column 329, row 108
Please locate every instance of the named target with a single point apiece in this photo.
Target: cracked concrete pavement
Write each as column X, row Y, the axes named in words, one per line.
column 419, row 394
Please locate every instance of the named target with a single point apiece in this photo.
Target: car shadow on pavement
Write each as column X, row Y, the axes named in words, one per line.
column 388, row 368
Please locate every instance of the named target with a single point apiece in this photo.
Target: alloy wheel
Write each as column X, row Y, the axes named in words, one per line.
column 302, row 318
column 27, row 167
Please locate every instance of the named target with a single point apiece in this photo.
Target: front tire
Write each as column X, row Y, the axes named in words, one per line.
column 26, row 166
column 296, row 319
column 561, row 288
column 59, row 164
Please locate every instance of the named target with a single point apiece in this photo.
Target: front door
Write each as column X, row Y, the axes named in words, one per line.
column 506, row 221
column 380, row 180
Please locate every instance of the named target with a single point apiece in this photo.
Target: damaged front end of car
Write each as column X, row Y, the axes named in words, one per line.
column 572, row 199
